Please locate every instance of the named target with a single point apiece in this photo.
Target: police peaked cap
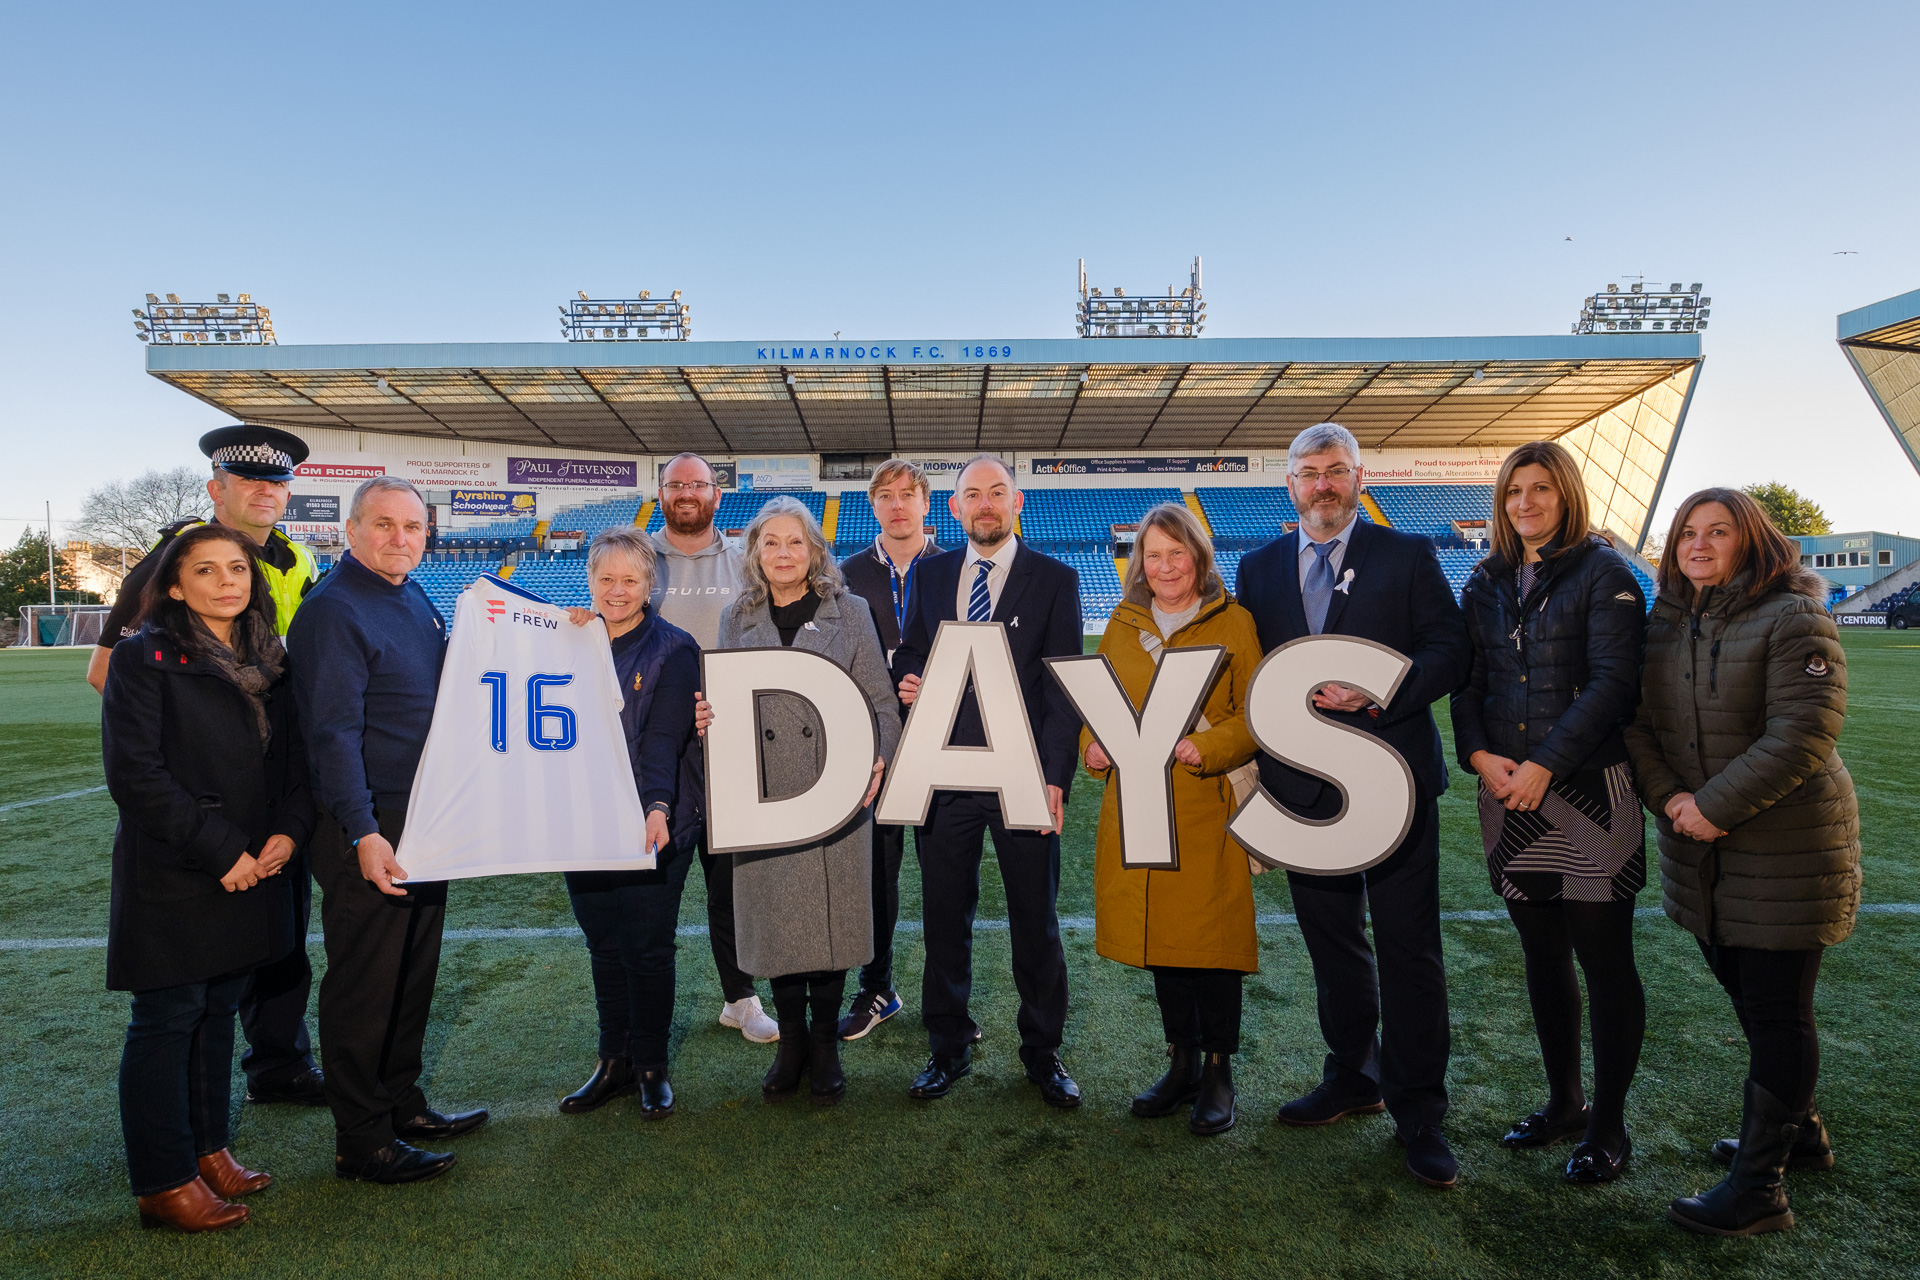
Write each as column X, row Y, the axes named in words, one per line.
column 258, row 453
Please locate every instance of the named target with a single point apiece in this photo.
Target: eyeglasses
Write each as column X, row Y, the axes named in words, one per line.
column 1334, row 473
column 685, row 486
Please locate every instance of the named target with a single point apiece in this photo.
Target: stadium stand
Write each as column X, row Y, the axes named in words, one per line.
column 590, row 518
column 1099, row 583
column 562, row 581
column 737, row 509
column 1063, row 517
column 1247, row 516
column 857, row 526
column 443, row 581
column 1431, row 509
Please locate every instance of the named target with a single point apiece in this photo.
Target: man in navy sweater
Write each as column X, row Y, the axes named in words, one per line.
column 366, row 649
column 1386, row 1030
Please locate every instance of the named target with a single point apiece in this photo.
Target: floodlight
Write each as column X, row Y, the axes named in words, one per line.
column 1696, row 287
column 223, row 298
column 246, row 299
column 1706, row 302
column 152, row 299
column 789, row 379
column 1479, row 375
column 1674, row 287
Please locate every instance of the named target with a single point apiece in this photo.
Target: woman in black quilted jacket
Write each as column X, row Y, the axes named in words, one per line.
column 1558, row 621
column 1735, row 752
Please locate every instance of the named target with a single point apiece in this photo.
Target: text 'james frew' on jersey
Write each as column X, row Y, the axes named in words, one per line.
column 525, row 767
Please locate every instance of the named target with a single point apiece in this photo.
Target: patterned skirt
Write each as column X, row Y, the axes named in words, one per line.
column 1585, row 843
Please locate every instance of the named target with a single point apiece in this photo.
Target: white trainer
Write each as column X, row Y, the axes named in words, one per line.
column 750, row 1019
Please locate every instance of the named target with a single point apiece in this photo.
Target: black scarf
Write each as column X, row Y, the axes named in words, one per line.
column 252, row 665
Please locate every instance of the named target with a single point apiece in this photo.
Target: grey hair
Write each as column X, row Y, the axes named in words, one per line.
column 622, row 540
column 381, row 484
column 823, row 574
column 1319, row 438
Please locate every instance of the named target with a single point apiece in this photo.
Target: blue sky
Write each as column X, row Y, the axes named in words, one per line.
column 414, row 172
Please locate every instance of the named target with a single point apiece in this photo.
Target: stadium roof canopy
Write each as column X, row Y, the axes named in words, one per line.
column 1618, row 400
column 1883, row 342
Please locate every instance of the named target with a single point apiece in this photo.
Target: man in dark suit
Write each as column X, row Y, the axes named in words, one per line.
column 1386, row 1029
column 883, row 575
column 997, row 578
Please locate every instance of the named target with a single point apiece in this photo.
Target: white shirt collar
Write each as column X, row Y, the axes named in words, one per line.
column 1339, row 539
column 1001, row 557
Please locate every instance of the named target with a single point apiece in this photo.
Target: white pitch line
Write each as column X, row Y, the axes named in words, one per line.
column 1068, row 923
column 64, row 795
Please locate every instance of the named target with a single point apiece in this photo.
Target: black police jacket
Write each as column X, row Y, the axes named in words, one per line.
column 1558, row 685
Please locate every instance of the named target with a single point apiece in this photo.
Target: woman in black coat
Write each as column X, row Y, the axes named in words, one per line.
column 203, row 758
column 1558, row 622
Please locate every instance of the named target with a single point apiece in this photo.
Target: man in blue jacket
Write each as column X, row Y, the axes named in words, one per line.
column 1386, row 1028
column 995, row 578
column 366, row 650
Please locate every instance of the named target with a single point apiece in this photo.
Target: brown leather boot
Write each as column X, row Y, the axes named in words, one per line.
column 190, row 1207
column 224, row 1174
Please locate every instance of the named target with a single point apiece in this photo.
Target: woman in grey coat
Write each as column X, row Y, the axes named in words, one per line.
column 803, row 917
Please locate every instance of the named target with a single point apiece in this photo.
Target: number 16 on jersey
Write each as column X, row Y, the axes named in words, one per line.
column 542, row 716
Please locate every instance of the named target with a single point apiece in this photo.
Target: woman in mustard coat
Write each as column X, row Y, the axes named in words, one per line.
column 1192, row 928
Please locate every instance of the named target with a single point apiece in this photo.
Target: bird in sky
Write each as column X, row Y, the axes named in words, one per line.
column 1569, row 239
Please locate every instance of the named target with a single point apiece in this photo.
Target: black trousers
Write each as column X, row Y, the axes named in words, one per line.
column 1383, row 1007
column 383, row 955
column 889, row 848
column 629, row 919
column 1199, row 1008
column 735, row 982
column 273, row 1009
column 1772, row 994
column 950, row 848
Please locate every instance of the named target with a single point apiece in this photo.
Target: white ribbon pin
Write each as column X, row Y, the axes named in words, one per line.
column 1345, row 583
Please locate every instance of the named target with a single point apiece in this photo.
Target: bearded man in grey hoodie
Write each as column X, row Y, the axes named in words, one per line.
column 697, row 576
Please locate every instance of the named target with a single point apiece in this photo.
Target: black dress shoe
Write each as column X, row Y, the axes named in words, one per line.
column 1213, row 1107
column 307, row 1089
column 656, row 1093
column 1174, row 1089
column 611, row 1077
column 1429, row 1158
column 1057, row 1088
column 1543, row 1129
column 1592, row 1163
column 431, row 1126
column 1327, row 1104
column 938, row 1076
column 395, row 1163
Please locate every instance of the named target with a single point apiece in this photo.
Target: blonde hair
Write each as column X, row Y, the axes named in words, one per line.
column 1574, row 522
column 900, row 469
column 823, row 575
column 1180, row 524
column 622, row 540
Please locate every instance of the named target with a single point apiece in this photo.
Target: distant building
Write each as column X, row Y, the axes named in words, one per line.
column 1850, row 561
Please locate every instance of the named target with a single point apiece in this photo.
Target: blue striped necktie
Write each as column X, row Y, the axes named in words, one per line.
column 979, row 603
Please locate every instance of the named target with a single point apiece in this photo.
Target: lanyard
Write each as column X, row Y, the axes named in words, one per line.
column 901, row 585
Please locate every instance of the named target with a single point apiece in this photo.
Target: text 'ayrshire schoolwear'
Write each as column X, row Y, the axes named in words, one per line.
column 525, row 767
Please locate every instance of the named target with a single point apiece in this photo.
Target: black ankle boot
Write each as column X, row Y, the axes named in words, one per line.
column 1812, row 1149
column 656, row 1091
column 1213, row 1109
column 1164, row 1096
column 611, row 1077
column 789, row 1063
column 826, row 1081
column 1749, row 1200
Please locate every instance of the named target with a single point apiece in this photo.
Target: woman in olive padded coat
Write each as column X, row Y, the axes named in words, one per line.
column 1733, row 751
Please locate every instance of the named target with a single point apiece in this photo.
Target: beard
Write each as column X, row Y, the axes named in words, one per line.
column 988, row 534
column 1331, row 514
column 687, row 523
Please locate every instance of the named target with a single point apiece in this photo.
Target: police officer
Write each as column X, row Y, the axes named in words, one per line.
column 252, row 467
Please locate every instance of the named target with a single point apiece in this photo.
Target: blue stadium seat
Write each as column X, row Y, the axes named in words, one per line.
column 1431, row 509
column 737, row 510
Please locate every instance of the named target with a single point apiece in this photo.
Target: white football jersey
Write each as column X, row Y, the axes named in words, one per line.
column 526, row 766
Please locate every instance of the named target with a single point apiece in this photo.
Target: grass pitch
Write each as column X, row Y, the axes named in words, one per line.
column 988, row 1182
